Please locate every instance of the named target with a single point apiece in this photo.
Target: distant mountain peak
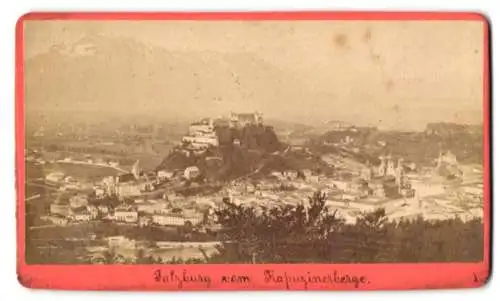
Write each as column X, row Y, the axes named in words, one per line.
column 85, row 46
column 92, row 44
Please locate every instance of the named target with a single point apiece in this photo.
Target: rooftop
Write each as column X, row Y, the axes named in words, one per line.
column 126, row 178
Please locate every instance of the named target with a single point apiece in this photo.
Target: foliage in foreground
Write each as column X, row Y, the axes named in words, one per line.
column 312, row 234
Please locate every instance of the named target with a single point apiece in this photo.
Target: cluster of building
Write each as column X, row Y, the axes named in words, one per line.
column 388, row 179
column 65, row 182
column 202, row 134
column 169, row 210
column 386, row 185
column 153, row 204
column 369, row 186
column 148, row 199
column 77, row 209
column 245, row 119
column 137, row 183
column 156, row 212
column 126, row 250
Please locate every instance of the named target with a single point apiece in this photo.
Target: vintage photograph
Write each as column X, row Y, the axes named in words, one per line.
column 254, row 141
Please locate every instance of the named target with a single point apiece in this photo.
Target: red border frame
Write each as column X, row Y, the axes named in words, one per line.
column 140, row 277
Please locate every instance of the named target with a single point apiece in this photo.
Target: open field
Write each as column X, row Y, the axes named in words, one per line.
column 77, row 171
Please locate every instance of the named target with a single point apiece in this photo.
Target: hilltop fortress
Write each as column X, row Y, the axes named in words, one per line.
column 202, row 134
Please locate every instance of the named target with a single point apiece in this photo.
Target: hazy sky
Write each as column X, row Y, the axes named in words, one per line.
column 393, row 73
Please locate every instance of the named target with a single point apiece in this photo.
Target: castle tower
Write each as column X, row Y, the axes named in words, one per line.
column 399, row 174
column 233, row 119
column 258, row 118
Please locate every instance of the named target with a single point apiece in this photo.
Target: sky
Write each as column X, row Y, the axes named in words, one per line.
column 392, row 73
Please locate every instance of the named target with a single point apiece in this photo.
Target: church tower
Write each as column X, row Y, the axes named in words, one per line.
column 399, row 174
column 382, row 166
column 390, row 167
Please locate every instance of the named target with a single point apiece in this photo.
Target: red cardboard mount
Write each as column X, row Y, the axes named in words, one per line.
column 400, row 276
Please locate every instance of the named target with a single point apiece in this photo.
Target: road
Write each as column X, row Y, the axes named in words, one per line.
column 33, row 197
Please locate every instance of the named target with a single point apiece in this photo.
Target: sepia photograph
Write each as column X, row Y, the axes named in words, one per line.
column 254, row 141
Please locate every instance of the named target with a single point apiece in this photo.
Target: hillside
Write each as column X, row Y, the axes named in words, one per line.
column 419, row 147
column 229, row 160
column 258, row 153
column 294, row 160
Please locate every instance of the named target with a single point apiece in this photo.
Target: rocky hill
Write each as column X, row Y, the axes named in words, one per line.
column 258, row 153
column 466, row 142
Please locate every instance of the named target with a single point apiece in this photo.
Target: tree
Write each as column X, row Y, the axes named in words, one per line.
column 310, row 233
column 109, row 256
column 188, row 229
column 141, row 257
column 285, row 234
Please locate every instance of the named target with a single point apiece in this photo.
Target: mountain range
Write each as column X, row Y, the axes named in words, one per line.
column 100, row 75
